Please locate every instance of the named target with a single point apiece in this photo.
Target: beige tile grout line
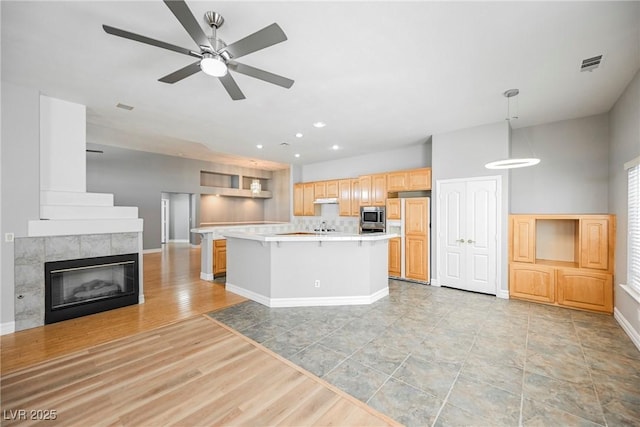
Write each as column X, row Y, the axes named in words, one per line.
column 524, row 365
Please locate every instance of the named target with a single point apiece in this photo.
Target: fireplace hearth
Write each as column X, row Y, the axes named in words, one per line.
column 79, row 287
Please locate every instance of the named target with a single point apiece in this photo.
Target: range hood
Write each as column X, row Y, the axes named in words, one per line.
column 326, row 201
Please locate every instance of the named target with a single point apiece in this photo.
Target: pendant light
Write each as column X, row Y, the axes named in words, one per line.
column 516, row 162
column 256, row 188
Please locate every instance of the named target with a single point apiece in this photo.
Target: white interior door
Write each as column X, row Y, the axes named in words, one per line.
column 467, row 234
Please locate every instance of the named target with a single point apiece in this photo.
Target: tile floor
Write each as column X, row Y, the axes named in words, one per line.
column 436, row 356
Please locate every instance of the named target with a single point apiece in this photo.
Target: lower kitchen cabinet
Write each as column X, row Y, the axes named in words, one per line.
column 219, row 257
column 395, row 257
column 416, row 257
column 533, row 282
column 585, row 289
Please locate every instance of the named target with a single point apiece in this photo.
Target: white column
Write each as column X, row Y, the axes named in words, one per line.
column 206, row 256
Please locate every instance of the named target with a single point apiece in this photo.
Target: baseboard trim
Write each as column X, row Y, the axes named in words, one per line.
column 179, row 241
column 434, row 282
column 206, row 276
column 503, row 294
column 626, row 326
column 151, row 251
column 7, row 328
column 308, row 302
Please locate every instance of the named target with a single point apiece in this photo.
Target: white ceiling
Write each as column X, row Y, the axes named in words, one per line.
column 381, row 74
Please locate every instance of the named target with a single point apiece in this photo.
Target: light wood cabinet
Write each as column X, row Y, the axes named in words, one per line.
column 344, row 197
column 379, row 190
column 594, row 245
column 309, row 208
column 365, row 190
column 564, row 260
column 393, row 209
column 533, row 282
column 355, row 197
column 395, row 257
column 419, row 179
column 332, row 189
column 219, row 257
column 397, row 181
column 416, row 254
column 298, row 199
column 585, row 289
column 523, row 232
column 416, row 226
column 319, row 190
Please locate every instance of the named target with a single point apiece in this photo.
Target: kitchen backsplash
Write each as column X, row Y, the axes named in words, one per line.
column 341, row 224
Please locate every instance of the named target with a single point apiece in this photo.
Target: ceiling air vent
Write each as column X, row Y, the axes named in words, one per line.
column 591, row 64
column 124, row 106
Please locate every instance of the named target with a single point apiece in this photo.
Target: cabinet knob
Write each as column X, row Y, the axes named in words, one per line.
column 470, row 241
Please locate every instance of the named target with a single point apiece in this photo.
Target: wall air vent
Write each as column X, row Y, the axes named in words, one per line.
column 591, row 64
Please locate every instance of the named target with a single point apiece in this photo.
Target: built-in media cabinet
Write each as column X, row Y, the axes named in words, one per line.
column 564, row 260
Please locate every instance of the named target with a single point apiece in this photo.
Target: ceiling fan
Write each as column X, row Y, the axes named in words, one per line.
column 215, row 57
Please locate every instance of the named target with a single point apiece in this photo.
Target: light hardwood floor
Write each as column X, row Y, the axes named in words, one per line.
column 164, row 362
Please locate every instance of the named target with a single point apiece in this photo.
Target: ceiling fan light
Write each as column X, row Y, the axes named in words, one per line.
column 512, row 163
column 213, row 65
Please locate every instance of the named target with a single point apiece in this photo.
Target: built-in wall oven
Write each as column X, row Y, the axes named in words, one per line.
column 372, row 219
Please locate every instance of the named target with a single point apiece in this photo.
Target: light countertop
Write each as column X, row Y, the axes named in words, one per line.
column 310, row 237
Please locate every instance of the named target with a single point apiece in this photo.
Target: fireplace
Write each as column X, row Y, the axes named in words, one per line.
column 79, row 287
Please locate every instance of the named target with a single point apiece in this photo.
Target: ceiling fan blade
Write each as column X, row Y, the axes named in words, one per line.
column 182, row 73
column 261, row 74
column 232, row 87
column 268, row 36
column 142, row 39
column 188, row 21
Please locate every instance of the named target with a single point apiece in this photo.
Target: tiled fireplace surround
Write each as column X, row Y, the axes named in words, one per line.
column 30, row 254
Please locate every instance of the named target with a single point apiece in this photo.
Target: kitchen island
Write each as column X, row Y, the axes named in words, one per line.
column 295, row 269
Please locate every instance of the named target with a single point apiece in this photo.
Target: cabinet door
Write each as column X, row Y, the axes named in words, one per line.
column 585, row 289
column 379, row 190
column 344, row 197
column 523, row 238
column 355, row 197
column 395, row 257
column 594, row 243
column 219, row 257
column 416, row 253
column 365, row 190
column 308, row 196
column 397, row 181
column 332, row 189
column 298, row 199
column 319, row 189
column 416, row 214
column 419, row 179
column 393, row 209
column 532, row 282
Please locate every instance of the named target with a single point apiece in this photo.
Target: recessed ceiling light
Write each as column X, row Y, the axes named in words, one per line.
column 319, row 124
column 284, row 144
column 259, row 146
column 296, row 155
column 335, row 147
column 298, row 135
column 124, row 106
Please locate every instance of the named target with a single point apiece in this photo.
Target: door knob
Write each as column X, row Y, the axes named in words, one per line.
column 469, row 241
column 460, row 241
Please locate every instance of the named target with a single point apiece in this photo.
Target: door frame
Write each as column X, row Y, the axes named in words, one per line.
column 499, row 214
column 165, row 216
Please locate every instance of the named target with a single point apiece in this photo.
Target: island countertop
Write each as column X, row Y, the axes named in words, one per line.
column 303, row 236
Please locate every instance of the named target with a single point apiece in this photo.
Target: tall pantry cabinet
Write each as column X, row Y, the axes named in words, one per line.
column 416, row 234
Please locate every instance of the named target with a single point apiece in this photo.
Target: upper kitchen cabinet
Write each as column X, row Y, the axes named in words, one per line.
column 298, row 199
column 344, row 197
column 332, row 189
column 523, row 232
column 319, row 189
column 365, row 190
column 393, row 209
column 308, row 207
column 379, row 189
column 355, row 197
column 397, row 181
column 419, row 179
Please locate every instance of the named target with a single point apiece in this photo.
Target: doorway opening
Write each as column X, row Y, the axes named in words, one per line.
column 176, row 217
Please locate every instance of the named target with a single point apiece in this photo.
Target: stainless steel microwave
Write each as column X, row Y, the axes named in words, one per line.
column 372, row 219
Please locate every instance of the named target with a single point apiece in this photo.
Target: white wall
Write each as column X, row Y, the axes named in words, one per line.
column 463, row 154
column 624, row 124
column 573, row 174
column 20, row 179
column 415, row 156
